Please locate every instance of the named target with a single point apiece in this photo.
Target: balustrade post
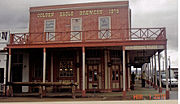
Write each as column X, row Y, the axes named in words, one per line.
column 11, row 38
column 44, row 37
column 83, row 37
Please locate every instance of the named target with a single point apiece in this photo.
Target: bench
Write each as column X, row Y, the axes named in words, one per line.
column 40, row 85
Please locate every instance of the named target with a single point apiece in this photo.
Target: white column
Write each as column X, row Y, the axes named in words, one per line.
column 9, row 66
column 83, row 71
column 148, row 71
column 129, row 74
column 167, row 73
column 5, row 69
column 52, row 67
column 44, row 65
column 159, row 62
column 152, row 71
column 106, row 68
column 77, row 69
column 9, row 71
column 155, row 71
column 124, row 71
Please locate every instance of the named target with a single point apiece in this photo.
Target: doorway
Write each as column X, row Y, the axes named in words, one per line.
column 17, row 76
column 93, row 77
column 115, row 77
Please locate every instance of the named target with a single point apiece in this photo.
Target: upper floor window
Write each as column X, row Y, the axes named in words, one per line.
column 49, row 27
column 76, row 28
column 104, row 27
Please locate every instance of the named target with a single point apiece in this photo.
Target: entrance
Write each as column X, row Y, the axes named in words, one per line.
column 17, row 76
column 17, row 66
column 115, row 77
column 93, row 77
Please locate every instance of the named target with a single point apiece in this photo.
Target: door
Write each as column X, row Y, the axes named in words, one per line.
column 115, row 77
column 93, row 74
column 17, row 76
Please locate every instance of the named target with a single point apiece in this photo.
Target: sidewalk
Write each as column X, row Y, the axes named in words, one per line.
column 112, row 96
column 105, row 102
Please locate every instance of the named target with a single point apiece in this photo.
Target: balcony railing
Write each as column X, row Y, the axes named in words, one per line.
column 89, row 36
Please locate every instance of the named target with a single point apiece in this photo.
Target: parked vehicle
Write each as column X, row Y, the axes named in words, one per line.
column 174, row 82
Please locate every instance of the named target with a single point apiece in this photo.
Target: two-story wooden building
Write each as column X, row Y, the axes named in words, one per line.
column 91, row 44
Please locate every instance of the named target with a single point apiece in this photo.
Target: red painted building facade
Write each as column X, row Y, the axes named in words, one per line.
column 91, row 44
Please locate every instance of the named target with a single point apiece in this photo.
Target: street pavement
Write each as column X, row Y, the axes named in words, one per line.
column 105, row 102
column 173, row 93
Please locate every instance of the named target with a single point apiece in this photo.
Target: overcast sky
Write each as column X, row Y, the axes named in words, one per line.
column 14, row 15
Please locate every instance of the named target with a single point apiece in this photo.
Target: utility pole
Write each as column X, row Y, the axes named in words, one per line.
column 170, row 72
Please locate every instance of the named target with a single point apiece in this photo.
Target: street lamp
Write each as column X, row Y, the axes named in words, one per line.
column 169, row 71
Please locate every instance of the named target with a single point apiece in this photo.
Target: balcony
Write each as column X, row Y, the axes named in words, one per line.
column 98, row 36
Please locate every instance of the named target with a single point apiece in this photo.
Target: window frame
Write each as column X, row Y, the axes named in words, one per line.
column 47, row 31
column 74, row 30
column 99, row 27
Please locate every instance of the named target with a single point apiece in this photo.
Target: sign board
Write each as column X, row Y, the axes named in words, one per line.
column 144, row 47
column 4, row 36
column 4, row 39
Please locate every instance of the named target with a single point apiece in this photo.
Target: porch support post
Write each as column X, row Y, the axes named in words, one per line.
column 5, row 70
column 155, row 71
column 106, row 68
column 167, row 73
column 9, row 71
column 44, row 65
column 129, row 73
column 148, row 73
column 159, row 62
column 152, row 72
column 124, row 73
column 83, row 72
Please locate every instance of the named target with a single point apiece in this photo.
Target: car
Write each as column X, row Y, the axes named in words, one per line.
column 174, row 82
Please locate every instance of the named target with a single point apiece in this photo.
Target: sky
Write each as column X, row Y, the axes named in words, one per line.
column 14, row 16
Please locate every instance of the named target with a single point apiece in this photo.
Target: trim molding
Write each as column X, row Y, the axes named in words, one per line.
column 79, row 8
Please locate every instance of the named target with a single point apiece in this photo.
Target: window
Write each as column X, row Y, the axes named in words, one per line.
column 66, row 69
column 49, row 27
column 115, row 75
column 76, row 26
column 104, row 27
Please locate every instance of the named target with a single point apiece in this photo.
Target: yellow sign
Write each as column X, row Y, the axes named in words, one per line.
column 81, row 13
column 71, row 13
column 112, row 11
column 43, row 15
column 90, row 12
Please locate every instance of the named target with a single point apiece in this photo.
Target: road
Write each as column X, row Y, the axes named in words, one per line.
column 105, row 102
